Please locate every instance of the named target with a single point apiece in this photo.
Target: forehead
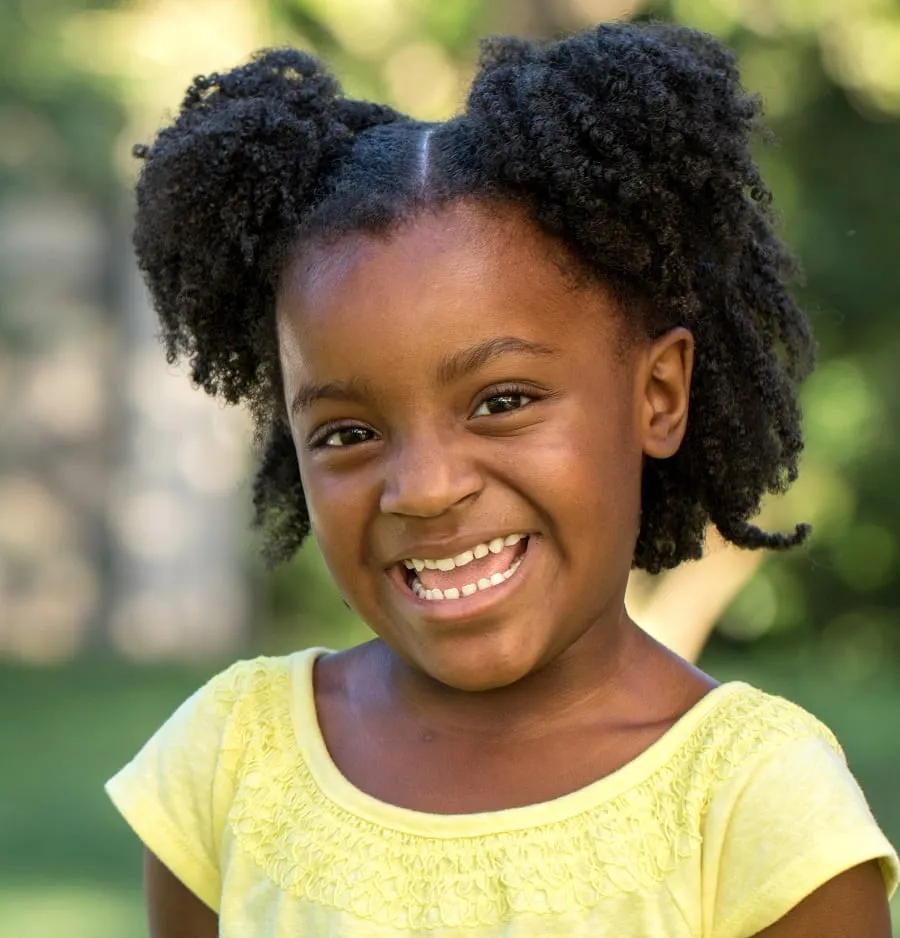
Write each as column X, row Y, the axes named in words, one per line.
column 467, row 265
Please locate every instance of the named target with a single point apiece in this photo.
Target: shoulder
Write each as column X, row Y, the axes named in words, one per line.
column 249, row 686
column 731, row 744
column 207, row 732
column 243, row 683
column 760, row 759
column 744, row 723
column 714, row 747
column 782, row 812
column 179, row 790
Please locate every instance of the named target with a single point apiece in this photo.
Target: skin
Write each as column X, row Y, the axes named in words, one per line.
column 431, row 475
column 552, row 668
column 460, row 708
column 172, row 909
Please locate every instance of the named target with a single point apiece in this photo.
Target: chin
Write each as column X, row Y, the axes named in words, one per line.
column 483, row 674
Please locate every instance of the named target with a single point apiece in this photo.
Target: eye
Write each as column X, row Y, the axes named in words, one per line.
column 502, row 403
column 341, row 437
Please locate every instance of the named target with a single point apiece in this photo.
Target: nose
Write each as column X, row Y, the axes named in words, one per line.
column 428, row 475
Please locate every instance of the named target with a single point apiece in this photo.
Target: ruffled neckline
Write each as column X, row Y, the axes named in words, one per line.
column 331, row 781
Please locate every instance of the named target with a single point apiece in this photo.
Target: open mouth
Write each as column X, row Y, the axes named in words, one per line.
column 481, row 568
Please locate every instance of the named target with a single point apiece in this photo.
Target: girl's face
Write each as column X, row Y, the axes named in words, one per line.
column 471, row 427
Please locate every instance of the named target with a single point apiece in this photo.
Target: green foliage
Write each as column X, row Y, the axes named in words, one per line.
column 454, row 25
column 58, row 123
column 303, row 608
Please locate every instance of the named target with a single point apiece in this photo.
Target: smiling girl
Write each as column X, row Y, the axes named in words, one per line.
column 495, row 363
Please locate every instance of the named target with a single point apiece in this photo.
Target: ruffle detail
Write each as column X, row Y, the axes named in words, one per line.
column 317, row 850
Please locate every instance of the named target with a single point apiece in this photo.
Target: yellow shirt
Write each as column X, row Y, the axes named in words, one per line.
column 739, row 811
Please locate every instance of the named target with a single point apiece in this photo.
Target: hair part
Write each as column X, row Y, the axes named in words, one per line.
column 628, row 143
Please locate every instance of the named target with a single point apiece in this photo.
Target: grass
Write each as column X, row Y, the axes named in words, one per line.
column 69, row 867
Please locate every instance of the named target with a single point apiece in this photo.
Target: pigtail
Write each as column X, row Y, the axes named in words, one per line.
column 632, row 145
column 222, row 195
column 221, row 192
column 640, row 122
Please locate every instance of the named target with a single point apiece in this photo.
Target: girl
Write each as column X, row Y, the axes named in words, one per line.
column 494, row 364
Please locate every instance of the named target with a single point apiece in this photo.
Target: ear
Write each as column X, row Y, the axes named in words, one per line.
column 665, row 392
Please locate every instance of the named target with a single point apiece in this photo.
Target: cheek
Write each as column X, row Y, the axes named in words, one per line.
column 593, row 455
column 338, row 506
column 337, row 541
column 588, row 474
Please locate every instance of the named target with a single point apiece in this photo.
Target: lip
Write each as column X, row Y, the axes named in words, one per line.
column 466, row 607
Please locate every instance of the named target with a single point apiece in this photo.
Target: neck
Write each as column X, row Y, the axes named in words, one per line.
column 588, row 673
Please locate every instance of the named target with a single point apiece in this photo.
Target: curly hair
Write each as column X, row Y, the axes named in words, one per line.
column 630, row 143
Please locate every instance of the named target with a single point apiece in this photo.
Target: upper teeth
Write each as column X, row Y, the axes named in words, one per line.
column 467, row 556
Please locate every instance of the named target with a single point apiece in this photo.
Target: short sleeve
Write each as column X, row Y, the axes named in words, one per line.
column 176, row 791
column 784, row 827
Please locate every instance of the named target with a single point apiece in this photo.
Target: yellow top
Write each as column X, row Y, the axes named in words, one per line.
column 740, row 810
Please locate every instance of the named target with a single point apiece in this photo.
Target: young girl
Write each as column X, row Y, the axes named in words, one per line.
column 494, row 363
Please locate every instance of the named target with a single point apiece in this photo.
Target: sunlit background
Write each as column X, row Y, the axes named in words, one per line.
column 127, row 571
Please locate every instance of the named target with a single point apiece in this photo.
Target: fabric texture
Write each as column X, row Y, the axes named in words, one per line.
column 731, row 818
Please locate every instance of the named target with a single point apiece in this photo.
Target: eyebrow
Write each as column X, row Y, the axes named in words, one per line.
column 308, row 394
column 451, row 368
column 469, row 360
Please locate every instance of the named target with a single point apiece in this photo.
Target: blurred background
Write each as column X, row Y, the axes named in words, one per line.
column 127, row 571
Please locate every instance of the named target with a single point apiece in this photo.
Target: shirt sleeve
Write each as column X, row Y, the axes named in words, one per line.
column 785, row 826
column 176, row 792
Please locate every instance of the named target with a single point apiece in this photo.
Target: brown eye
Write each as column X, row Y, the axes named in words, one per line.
column 346, row 436
column 501, row 404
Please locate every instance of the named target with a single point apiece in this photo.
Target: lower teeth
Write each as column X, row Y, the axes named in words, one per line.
column 468, row 590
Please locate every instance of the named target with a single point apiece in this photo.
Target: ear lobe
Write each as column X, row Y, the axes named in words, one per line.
column 666, row 392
